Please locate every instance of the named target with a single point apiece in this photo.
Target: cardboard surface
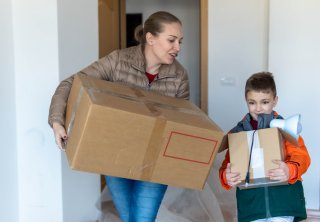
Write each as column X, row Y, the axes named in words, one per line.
column 121, row 131
column 267, row 145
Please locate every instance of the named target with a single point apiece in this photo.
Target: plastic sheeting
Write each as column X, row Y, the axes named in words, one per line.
column 212, row 204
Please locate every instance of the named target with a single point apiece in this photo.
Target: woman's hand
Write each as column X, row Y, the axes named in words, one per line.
column 281, row 173
column 233, row 179
column 60, row 135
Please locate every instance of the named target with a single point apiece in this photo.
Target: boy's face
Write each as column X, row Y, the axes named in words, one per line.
column 260, row 102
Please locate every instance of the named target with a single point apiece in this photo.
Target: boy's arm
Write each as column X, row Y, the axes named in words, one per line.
column 297, row 160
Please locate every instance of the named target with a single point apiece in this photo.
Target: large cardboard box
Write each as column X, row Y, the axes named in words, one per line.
column 131, row 133
column 267, row 145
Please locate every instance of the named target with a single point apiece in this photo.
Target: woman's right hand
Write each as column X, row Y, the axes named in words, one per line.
column 60, row 135
column 233, row 179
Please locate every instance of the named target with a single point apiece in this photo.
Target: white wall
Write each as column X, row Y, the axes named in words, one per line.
column 38, row 183
column 78, row 35
column 8, row 157
column 294, row 58
column 239, row 46
column 78, row 47
column 188, row 12
column 36, row 72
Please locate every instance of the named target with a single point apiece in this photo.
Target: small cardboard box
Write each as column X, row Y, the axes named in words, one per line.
column 267, row 145
column 131, row 133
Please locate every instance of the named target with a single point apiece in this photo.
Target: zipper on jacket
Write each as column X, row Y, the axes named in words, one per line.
column 157, row 79
column 150, row 83
column 267, row 202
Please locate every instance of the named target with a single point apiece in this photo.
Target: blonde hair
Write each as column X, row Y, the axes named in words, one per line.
column 154, row 25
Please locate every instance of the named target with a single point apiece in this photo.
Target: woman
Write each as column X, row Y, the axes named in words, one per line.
column 151, row 66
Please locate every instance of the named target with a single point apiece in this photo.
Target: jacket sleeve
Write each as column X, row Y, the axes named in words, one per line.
column 299, row 156
column 58, row 104
column 222, row 172
column 102, row 69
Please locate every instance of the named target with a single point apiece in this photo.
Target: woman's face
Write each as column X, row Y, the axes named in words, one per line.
column 166, row 45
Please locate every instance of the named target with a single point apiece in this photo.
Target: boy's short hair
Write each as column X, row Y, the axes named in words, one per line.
column 261, row 82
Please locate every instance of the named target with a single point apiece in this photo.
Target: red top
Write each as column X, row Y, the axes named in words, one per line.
column 254, row 124
column 151, row 77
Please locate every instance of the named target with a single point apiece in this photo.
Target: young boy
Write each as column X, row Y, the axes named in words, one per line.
column 274, row 203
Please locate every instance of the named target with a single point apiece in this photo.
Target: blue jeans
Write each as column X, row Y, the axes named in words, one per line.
column 136, row 201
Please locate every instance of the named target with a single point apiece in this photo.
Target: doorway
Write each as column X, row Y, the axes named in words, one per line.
column 194, row 54
column 194, row 17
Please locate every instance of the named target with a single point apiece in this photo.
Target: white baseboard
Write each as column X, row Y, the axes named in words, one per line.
column 313, row 215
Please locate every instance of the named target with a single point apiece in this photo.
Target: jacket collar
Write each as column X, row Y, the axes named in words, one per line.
column 139, row 64
column 263, row 122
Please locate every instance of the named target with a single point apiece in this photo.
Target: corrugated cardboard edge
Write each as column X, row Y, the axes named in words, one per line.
column 240, row 136
column 71, row 102
column 73, row 162
column 75, row 97
column 224, row 144
column 216, row 151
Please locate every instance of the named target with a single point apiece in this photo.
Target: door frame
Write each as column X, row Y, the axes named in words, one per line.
column 204, row 55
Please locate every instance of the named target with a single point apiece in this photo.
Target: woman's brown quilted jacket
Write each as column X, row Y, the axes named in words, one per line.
column 126, row 66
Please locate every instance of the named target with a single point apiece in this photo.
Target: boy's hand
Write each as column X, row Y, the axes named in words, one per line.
column 281, row 173
column 233, row 179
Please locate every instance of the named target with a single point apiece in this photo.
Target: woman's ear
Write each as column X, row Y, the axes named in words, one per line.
column 149, row 38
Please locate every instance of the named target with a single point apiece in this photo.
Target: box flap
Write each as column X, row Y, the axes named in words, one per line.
column 224, row 144
column 289, row 137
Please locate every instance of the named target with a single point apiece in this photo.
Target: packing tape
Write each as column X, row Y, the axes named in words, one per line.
column 141, row 99
column 92, row 87
column 152, row 153
column 257, row 156
column 138, row 92
column 73, row 112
